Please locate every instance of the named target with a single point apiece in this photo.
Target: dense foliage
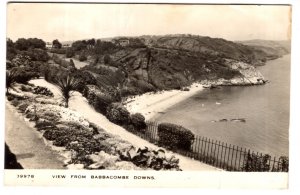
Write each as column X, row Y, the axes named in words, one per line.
column 99, row 100
column 62, row 62
column 174, row 136
column 66, row 85
column 118, row 114
column 24, row 44
column 138, row 121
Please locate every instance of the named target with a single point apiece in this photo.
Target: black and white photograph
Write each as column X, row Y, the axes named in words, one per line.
column 146, row 88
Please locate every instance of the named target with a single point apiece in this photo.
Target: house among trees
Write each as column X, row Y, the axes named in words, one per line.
column 121, row 41
column 49, row 45
column 66, row 45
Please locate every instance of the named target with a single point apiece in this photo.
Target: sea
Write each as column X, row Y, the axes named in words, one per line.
column 264, row 108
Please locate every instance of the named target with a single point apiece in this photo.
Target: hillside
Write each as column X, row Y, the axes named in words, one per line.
column 175, row 61
column 207, row 45
column 273, row 49
column 124, row 66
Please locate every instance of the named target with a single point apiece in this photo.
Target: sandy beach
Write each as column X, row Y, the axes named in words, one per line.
column 150, row 104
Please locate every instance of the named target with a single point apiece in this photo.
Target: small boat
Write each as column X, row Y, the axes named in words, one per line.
column 223, row 120
column 243, row 120
column 218, row 103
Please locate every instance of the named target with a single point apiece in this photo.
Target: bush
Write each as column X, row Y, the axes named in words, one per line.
column 19, row 75
column 26, row 88
column 82, row 58
column 42, row 91
column 72, row 63
column 23, row 106
column 62, row 62
column 118, row 114
column 101, row 102
column 174, row 136
column 256, row 163
column 138, row 121
column 36, row 54
column 44, row 125
column 70, row 53
column 10, row 97
column 106, row 59
column 58, row 50
column 97, row 99
column 24, row 77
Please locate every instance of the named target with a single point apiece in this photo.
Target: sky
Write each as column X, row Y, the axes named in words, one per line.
column 67, row 22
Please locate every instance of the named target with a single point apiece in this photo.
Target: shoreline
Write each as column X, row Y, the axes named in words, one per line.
column 151, row 104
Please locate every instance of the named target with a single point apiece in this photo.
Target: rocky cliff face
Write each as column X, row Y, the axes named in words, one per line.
column 172, row 62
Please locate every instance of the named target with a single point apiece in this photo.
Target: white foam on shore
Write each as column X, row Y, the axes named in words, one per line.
column 150, row 104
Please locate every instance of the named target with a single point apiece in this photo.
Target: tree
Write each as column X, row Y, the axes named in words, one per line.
column 56, row 44
column 66, row 85
column 70, row 53
column 10, row 49
column 72, row 63
column 106, row 59
column 91, row 43
column 82, row 57
column 10, row 79
column 22, row 44
column 25, row 44
column 79, row 45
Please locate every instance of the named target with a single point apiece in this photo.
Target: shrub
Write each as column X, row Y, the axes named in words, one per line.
column 106, row 59
column 52, row 134
column 66, row 85
column 82, row 57
column 138, row 121
column 72, row 63
column 44, row 125
column 50, row 115
column 23, row 106
column 101, row 102
column 284, row 164
column 70, row 53
column 58, row 50
column 86, row 78
column 174, row 136
column 10, row 97
column 256, row 163
column 36, row 54
column 23, row 76
column 97, row 99
column 42, row 91
column 10, row 79
column 61, row 62
column 26, row 88
column 118, row 114
column 19, row 75
column 15, row 102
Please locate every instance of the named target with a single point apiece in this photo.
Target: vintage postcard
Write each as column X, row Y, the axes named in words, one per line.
column 147, row 95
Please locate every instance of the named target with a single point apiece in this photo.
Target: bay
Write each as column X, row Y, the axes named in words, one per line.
column 265, row 109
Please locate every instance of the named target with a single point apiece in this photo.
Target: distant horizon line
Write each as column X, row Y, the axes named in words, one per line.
column 151, row 35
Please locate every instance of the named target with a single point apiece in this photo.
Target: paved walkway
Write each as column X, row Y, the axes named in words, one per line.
column 27, row 144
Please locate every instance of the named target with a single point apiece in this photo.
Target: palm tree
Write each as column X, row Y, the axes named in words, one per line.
column 10, row 79
column 66, row 85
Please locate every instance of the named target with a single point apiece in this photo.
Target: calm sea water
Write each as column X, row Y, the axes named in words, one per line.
column 265, row 108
